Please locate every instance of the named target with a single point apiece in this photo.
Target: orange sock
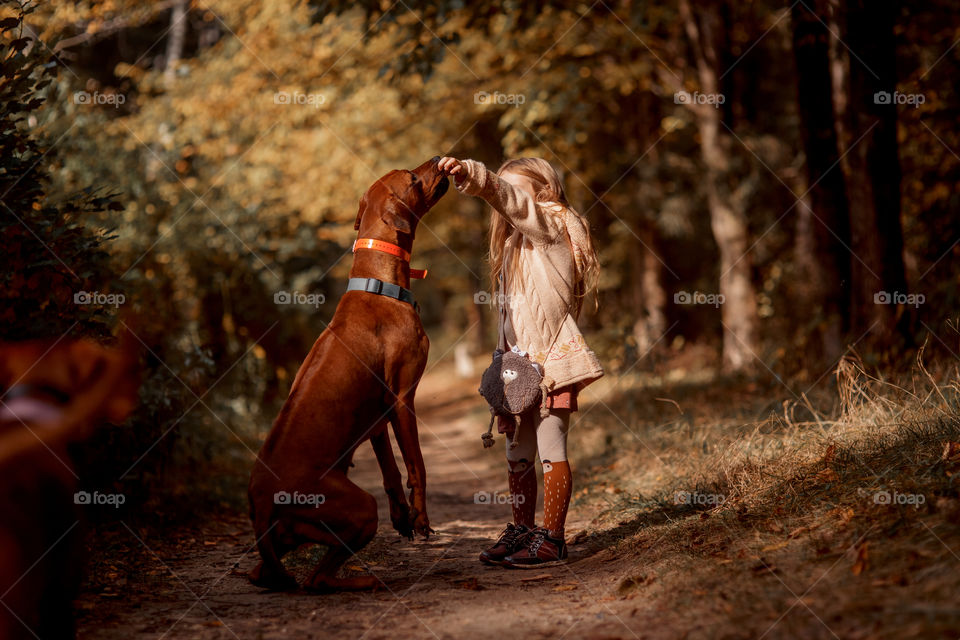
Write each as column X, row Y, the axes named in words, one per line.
column 557, row 487
column 522, row 480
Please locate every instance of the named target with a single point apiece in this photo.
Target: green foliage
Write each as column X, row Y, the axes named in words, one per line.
column 56, row 258
column 50, row 255
column 232, row 195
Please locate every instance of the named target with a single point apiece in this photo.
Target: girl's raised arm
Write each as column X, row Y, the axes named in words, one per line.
column 473, row 179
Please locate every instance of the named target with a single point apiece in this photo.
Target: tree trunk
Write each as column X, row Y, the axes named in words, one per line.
column 873, row 182
column 822, row 214
column 649, row 296
column 645, row 295
column 727, row 218
column 178, row 32
column 839, row 69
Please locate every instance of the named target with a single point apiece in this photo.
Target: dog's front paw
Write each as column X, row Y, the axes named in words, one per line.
column 421, row 524
column 402, row 522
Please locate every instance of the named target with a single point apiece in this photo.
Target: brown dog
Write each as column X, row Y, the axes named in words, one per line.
column 51, row 395
column 361, row 373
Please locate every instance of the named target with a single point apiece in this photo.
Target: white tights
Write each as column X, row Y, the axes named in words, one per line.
column 548, row 436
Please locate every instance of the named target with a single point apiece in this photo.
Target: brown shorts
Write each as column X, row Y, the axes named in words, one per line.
column 563, row 398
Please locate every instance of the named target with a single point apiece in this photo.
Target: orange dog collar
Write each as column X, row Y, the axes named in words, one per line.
column 392, row 249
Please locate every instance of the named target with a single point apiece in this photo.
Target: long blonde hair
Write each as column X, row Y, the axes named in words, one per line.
column 548, row 188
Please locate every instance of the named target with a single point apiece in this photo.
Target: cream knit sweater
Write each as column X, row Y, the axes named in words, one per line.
column 540, row 297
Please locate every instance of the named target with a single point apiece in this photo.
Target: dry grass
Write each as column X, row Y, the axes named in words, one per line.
column 881, row 430
column 804, row 521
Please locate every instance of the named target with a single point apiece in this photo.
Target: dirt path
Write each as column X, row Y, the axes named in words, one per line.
column 193, row 583
column 806, row 555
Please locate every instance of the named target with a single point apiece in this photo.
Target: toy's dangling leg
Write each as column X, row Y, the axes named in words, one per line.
column 544, row 410
column 487, row 438
column 514, row 443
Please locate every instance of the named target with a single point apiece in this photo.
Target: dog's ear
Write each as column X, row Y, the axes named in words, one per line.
column 390, row 216
column 363, row 207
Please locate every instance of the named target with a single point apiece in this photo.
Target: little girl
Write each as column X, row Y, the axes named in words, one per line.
column 542, row 263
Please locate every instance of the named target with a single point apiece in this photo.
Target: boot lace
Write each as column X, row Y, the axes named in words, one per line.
column 512, row 535
column 535, row 541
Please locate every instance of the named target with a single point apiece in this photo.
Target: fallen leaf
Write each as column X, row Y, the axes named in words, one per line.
column 845, row 515
column 860, row 565
column 542, row 576
column 471, row 585
column 565, row 587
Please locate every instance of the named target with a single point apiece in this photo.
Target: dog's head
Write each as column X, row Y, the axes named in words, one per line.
column 399, row 199
column 76, row 382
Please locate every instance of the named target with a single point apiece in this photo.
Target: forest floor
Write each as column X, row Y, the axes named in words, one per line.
column 703, row 508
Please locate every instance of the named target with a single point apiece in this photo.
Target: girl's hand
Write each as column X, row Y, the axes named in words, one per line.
column 450, row 166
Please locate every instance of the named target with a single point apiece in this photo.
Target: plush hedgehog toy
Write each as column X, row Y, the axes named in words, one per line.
column 512, row 385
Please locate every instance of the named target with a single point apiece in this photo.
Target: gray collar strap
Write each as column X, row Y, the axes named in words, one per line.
column 379, row 287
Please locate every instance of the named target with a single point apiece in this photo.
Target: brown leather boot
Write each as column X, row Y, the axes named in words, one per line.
column 539, row 549
column 511, row 540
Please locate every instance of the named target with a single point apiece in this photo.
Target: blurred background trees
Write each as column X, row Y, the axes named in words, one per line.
column 742, row 149
column 48, row 253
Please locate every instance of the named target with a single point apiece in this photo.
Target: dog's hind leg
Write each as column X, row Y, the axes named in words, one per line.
column 345, row 521
column 272, row 536
column 270, row 573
